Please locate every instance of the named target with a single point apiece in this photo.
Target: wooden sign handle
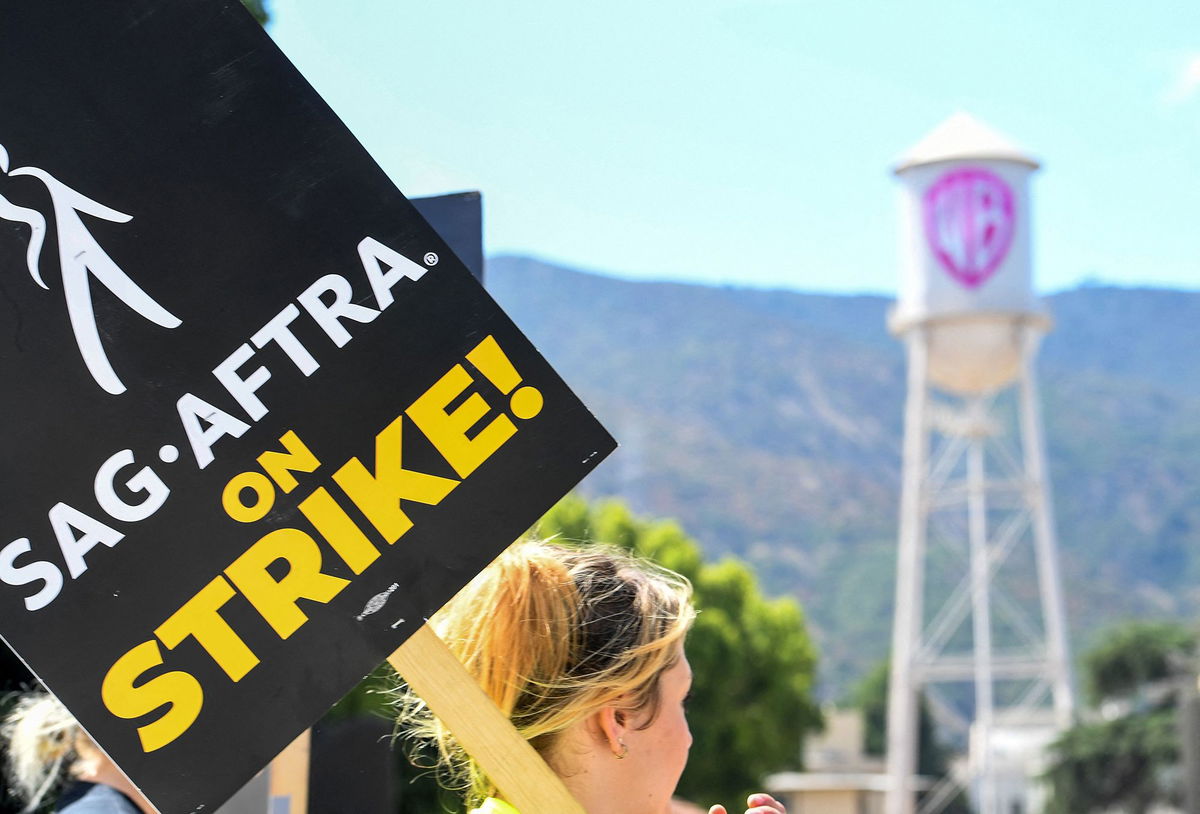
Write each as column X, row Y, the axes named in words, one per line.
column 288, row 778
column 519, row 772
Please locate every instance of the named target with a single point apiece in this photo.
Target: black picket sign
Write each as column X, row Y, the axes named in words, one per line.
column 259, row 421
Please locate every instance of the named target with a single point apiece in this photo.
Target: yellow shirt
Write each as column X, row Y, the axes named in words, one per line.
column 493, row 806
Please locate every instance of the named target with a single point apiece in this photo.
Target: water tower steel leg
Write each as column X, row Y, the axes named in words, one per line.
column 1189, row 736
column 1045, row 543
column 981, row 621
column 908, row 621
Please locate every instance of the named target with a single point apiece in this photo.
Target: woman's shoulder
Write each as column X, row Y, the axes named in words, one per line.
column 94, row 798
column 493, row 806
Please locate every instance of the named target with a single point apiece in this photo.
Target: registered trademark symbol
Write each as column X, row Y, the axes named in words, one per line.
column 431, row 259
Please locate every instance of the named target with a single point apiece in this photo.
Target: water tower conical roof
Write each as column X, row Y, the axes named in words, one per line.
column 962, row 136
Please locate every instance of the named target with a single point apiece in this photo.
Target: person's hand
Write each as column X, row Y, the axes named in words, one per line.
column 758, row 804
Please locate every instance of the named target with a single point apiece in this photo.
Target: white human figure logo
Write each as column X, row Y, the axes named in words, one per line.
column 80, row 256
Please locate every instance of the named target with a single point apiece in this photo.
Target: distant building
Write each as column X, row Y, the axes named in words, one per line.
column 1018, row 753
column 841, row 778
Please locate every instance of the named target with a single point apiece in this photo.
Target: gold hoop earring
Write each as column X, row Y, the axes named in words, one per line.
column 624, row 751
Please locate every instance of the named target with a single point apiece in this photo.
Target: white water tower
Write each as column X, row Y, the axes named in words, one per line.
column 971, row 325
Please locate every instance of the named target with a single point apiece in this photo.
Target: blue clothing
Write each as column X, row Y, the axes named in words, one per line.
column 94, row 798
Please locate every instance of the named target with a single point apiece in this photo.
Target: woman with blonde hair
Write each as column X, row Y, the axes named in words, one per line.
column 582, row 649
column 48, row 750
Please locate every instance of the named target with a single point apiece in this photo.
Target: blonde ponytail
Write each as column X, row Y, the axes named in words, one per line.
column 554, row 633
column 39, row 735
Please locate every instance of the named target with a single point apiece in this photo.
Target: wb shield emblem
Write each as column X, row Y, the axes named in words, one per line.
column 969, row 223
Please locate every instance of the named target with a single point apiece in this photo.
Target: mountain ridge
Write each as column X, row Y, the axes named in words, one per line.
column 769, row 423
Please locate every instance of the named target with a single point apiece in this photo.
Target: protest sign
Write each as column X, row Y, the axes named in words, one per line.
column 458, row 218
column 259, row 421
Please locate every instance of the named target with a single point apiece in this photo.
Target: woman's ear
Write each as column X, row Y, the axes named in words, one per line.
column 612, row 724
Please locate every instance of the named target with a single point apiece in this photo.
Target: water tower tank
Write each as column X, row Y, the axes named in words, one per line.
column 965, row 257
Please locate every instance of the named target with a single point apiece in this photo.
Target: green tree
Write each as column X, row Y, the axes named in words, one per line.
column 1135, row 654
column 1127, row 762
column 1118, row 765
column 259, row 9
column 752, row 657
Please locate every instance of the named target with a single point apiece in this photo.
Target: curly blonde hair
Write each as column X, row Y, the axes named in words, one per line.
column 554, row 633
column 39, row 735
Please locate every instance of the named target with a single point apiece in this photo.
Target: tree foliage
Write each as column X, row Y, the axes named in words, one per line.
column 259, row 9
column 752, row 657
column 1122, row 765
column 1128, row 762
column 1134, row 654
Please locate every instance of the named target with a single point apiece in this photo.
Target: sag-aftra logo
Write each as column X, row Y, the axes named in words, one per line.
column 82, row 259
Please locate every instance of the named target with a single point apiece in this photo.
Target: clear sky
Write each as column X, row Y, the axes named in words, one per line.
column 750, row 141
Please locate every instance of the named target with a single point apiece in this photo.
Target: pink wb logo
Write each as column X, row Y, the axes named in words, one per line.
column 969, row 223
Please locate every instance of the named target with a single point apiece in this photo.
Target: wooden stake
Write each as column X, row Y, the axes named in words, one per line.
column 440, row 679
column 289, row 775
